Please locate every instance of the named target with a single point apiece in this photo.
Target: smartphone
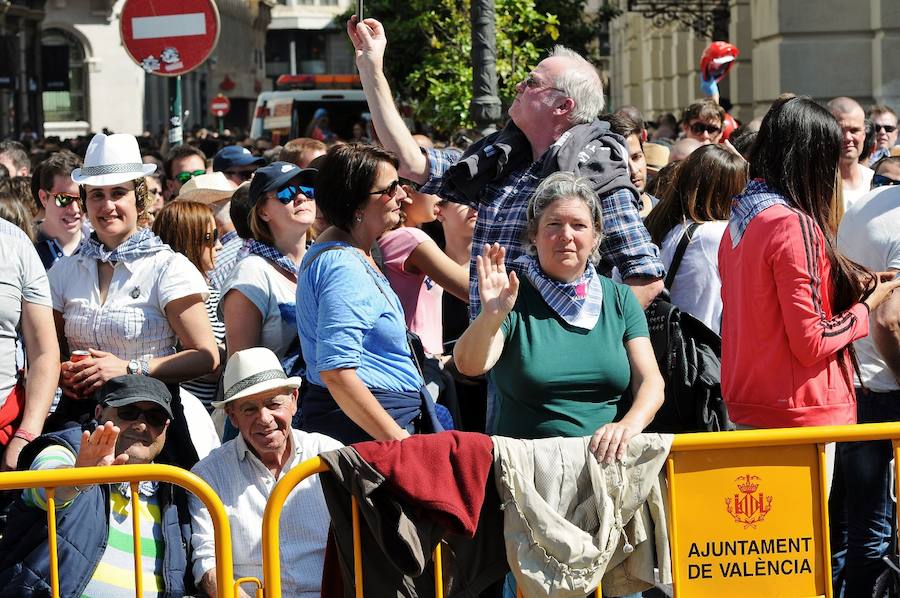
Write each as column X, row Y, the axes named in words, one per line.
column 359, row 11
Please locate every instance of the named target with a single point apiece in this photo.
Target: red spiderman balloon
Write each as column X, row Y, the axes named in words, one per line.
column 717, row 59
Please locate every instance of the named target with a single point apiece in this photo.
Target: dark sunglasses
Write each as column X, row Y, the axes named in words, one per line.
column 287, row 193
column 154, row 417
column 532, row 83
column 183, row 177
column 390, row 190
column 244, row 175
column 212, row 238
column 879, row 180
column 700, row 128
column 886, row 128
column 63, row 200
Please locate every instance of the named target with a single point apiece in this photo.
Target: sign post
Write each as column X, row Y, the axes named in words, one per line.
column 220, row 106
column 170, row 38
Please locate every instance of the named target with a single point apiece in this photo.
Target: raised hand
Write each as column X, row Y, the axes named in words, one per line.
column 369, row 42
column 98, row 448
column 498, row 291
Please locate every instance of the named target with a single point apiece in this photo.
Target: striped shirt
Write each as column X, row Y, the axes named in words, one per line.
column 114, row 575
column 226, row 259
column 203, row 390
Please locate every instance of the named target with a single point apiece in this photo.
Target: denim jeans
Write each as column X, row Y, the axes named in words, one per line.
column 860, row 507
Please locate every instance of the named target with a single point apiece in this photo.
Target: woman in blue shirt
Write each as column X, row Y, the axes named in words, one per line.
column 362, row 380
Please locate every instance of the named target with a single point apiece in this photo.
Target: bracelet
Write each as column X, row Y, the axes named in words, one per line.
column 145, row 367
column 24, row 435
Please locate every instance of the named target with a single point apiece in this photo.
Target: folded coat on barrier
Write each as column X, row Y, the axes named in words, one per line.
column 558, row 513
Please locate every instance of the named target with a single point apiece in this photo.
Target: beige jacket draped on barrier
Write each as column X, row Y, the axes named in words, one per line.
column 570, row 522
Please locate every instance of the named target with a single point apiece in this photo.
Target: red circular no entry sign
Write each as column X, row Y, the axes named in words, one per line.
column 220, row 106
column 169, row 37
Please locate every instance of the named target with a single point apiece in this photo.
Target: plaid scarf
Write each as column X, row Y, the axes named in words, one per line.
column 578, row 303
column 141, row 244
column 270, row 253
column 756, row 197
column 145, row 489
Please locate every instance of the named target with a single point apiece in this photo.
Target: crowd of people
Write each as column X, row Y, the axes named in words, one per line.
column 237, row 308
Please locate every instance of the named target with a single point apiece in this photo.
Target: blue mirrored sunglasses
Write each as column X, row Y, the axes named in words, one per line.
column 287, row 193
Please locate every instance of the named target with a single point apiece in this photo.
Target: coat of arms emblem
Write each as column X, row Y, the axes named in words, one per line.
column 748, row 507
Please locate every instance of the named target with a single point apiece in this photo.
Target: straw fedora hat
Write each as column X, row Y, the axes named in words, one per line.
column 207, row 188
column 657, row 156
column 251, row 372
column 112, row 160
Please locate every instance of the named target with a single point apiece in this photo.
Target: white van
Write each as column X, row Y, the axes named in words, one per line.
column 285, row 115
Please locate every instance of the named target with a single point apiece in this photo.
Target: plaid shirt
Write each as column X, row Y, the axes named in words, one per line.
column 226, row 259
column 502, row 219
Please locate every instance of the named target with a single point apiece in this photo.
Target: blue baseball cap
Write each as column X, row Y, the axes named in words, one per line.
column 235, row 155
column 276, row 175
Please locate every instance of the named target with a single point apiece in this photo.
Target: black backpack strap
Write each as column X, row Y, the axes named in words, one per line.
column 679, row 253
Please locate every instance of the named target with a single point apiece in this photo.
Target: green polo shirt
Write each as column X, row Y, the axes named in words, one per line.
column 553, row 379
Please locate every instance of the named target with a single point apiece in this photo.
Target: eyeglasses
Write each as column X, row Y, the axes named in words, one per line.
column 700, row 128
column 63, row 200
column 885, row 128
column 154, row 417
column 390, row 190
column 532, row 83
column 183, row 177
column 879, row 180
column 287, row 193
column 212, row 238
column 244, row 175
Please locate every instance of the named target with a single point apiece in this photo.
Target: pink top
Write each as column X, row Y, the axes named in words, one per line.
column 419, row 295
column 780, row 337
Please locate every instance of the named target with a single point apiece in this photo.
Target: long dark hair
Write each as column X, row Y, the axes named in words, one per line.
column 700, row 190
column 797, row 152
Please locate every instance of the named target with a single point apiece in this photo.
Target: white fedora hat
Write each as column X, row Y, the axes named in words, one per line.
column 111, row 160
column 207, row 188
column 251, row 372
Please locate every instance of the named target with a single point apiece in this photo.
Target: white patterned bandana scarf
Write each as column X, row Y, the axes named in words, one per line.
column 267, row 251
column 578, row 303
column 756, row 197
column 140, row 244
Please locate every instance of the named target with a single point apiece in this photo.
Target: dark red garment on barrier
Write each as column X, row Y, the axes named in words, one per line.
column 444, row 474
column 11, row 413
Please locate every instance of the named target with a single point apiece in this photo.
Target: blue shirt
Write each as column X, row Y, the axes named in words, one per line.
column 345, row 321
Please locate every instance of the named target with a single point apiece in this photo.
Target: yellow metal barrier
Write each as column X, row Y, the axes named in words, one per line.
column 272, row 517
column 749, row 510
column 50, row 480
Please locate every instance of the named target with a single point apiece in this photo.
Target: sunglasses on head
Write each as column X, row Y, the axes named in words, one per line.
column 244, row 175
column 212, row 238
column 183, row 177
column 154, row 417
column 390, row 190
column 63, row 200
column 879, row 180
column 700, row 128
column 885, row 128
column 287, row 193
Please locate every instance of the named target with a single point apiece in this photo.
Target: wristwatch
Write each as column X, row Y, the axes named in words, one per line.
column 134, row 367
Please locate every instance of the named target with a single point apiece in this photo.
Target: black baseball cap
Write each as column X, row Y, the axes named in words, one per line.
column 276, row 175
column 134, row 388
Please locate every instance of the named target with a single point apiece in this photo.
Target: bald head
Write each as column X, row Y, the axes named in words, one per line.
column 683, row 148
column 851, row 117
column 845, row 105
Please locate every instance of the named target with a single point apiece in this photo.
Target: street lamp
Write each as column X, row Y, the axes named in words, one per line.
column 706, row 17
column 485, row 105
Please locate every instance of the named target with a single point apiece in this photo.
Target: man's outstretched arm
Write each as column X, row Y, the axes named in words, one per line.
column 369, row 42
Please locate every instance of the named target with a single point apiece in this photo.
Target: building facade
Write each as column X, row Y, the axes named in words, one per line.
column 20, row 67
column 820, row 48
column 94, row 84
column 305, row 38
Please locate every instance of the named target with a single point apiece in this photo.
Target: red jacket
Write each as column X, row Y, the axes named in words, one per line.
column 780, row 337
